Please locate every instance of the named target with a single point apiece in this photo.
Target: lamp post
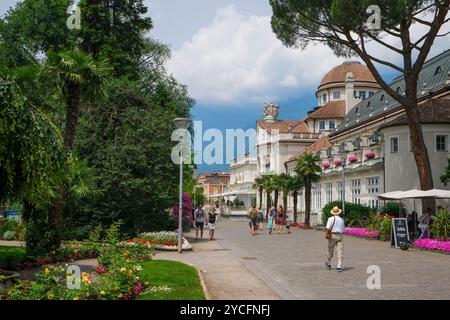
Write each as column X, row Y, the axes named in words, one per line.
column 182, row 124
column 344, row 162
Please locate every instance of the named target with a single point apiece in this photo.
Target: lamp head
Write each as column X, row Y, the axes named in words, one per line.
column 182, row 123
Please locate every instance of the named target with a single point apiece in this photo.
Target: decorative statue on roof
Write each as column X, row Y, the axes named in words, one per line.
column 271, row 112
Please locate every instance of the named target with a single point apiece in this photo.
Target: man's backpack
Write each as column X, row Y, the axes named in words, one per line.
column 253, row 214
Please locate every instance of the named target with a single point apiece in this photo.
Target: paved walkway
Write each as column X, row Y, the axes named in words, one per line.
column 241, row 266
column 225, row 275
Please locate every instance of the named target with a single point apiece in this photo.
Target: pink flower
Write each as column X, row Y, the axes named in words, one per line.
column 337, row 162
column 370, row 155
column 325, row 165
column 433, row 244
column 362, row 232
column 352, row 159
column 138, row 288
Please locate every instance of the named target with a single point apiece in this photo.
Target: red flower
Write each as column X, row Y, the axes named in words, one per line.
column 100, row 269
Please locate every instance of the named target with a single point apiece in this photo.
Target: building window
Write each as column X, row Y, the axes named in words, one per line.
column 394, row 145
column 373, row 187
column 371, row 94
column 329, row 191
column 321, row 125
column 324, row 98
column 336, row 95
column 318, row 198
column 356, row 190
column 441, row 143
column 340, row 191
column 362, row 94
column 331, row 124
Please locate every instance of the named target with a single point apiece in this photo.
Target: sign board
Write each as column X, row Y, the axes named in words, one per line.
column 400, row 232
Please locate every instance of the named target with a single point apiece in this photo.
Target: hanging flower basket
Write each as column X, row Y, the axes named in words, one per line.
column 352, row 159
column 337, row 162
column 370, row 155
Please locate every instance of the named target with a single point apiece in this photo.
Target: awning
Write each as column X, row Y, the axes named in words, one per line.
column 415, row 194
column 232, row 193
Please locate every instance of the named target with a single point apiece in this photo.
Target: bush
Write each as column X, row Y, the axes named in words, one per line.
column 391, row 208
column 9, row 235
column 355, row 214
column 13, row 229
column 440, row 226
column 385, row 228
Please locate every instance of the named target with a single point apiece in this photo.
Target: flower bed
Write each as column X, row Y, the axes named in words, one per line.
column 165, row 240
column 362, row 232
column 433, row 244
column 300, row 225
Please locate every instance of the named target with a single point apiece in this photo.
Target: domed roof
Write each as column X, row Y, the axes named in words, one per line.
column 339, row 73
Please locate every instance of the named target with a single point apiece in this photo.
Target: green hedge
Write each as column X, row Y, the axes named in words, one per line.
column 355, row 214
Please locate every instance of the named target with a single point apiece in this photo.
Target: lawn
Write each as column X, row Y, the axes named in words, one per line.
column 11, row 257
column 183, row 281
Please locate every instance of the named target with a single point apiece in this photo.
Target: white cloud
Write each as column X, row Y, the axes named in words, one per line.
column 237, row 60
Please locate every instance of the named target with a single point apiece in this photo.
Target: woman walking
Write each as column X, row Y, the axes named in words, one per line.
column 270, row 220
column 334, row 233
column 211, row 223
column 281, row 219
column 253, row 216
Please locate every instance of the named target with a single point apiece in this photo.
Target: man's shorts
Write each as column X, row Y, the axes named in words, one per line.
column 199, row 225
column 212, row 226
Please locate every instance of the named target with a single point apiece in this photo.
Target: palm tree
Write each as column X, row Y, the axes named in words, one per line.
column 77, row 78
column 308, row 168
column 259, row 185
column 297, row 183
column 285, row 184
column 277, row 185
column 267, row 183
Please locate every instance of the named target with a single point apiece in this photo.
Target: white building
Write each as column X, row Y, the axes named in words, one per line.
column 242, row 177
column 374, row 143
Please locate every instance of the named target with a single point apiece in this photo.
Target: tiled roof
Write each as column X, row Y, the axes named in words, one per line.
column 332, row 109
column 321, row 144
column 436, row 112
column 433, row 76
column 339, row 73
column 283, row 126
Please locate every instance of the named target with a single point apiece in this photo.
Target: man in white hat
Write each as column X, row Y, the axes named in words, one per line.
column 335, row 226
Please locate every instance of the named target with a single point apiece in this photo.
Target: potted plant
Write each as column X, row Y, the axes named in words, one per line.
column 337, row 162
column 370, row 155
column 326, row 165
column 352, row 159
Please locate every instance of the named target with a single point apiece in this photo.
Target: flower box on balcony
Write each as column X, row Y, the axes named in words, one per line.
column 370, row 155
column 326, row 165
column 337, row 162
column 352, row 159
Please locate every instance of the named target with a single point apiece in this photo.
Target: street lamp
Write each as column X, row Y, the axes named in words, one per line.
column 344, row 162
column 182, row 124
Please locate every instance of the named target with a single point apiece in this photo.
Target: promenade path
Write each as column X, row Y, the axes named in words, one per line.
column 291, row 266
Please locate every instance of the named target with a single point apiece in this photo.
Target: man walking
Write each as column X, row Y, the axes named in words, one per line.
column 199, row 218
column 253, row 216
column 211, row 223
column 335, row 235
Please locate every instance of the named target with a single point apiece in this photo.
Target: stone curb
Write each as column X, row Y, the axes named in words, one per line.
column 202, row 280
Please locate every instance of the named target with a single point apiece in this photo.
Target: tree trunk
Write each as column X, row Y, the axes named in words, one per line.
column 260, row 198
column 276, row 199
column 420, row 153
column 72, row 116
column 267, row 204
column 307, row 201
column 285, row 204
column 295, row 206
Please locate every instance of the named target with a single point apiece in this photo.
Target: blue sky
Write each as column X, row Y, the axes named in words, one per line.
column 227, row 55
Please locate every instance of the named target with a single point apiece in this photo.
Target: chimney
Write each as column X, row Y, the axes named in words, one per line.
column 350, row 100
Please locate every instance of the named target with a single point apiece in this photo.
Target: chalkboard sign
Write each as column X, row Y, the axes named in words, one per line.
column 400, row 233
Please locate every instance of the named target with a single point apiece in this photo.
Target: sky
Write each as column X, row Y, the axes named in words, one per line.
column 232, row 62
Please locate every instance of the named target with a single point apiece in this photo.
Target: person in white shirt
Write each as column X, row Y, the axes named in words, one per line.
column 336, row 225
